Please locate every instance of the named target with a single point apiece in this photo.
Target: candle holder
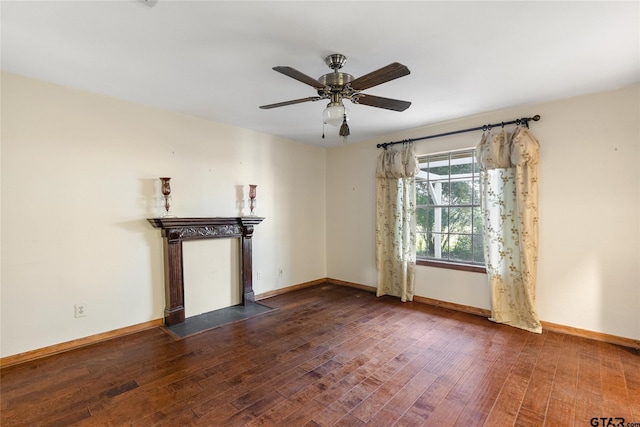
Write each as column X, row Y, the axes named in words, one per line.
column 166, row 192
column 252, row 198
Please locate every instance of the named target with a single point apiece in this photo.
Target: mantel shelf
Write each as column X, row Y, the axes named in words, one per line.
column 176, row 230
column 175, row 222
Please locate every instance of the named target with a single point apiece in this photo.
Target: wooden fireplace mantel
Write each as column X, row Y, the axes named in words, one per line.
column 177, row 230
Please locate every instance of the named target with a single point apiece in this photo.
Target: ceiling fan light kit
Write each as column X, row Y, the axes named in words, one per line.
column 337, row 86
column 334, row 114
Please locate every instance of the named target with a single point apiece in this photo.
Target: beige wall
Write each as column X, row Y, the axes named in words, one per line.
column 79, row 177
column 589, row 254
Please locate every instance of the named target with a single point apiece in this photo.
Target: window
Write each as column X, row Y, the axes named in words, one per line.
column 449, row 223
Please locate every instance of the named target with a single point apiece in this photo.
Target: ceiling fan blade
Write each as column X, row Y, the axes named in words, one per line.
column 301, row 77
column 380, row 102
column 383, row 75
column 293, row 101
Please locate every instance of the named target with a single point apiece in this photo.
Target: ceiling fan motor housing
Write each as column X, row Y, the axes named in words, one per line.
column 336, row 79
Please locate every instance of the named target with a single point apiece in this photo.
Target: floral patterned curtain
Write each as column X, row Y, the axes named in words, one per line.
column 396, row 221
column 509, row 203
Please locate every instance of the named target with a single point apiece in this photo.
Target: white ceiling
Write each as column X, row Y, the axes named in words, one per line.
column 213, row 59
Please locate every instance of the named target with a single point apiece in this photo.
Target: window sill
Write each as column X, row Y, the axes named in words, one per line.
column 452, row 266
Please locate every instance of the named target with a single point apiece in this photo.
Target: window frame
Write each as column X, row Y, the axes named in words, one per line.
column 448, row 263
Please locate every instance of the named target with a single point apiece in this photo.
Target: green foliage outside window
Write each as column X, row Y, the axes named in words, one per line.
column 449, row 223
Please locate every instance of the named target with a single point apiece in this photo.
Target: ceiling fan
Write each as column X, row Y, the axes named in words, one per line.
column 337, row 86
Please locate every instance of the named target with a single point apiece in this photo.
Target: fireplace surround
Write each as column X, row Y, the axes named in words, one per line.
column 177, row 230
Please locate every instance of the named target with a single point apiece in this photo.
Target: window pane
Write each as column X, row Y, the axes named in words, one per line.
column 460, row 247
column 476, row 168
column 460, row 220
column 438, row 246
column 461, row 163
column 422, row 224
column 438, row 219
column 422, row 192
column 477, row 220
column 478, row 249
column 476, row 190
column 435, row 193
column 461, row 192
column 438, row 165
column 440, row 191
column 421, row 244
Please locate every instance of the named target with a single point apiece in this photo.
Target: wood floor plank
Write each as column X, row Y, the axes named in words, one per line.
column 170, row 417
column 395, row 408
column 540, row 383
column 559, row 414
column 303, row 414
column 587, row 406
column 565, row 382
column 446, row 414
column 394, row 376
column 330, row 415
column 528, row 418
column 330, row 356
column 273, row 415
column 508, row 403
column 423, row 407
column 349, row 421
column 631, row 367
column 513, row 354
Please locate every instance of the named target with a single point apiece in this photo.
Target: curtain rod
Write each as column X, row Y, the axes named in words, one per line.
column 524, row 121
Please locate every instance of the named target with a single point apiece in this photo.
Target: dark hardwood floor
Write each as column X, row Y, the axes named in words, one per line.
column 331, row 355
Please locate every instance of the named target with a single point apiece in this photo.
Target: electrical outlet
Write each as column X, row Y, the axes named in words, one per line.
column 80, row 310
column 280, row 272
column 258, row 275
